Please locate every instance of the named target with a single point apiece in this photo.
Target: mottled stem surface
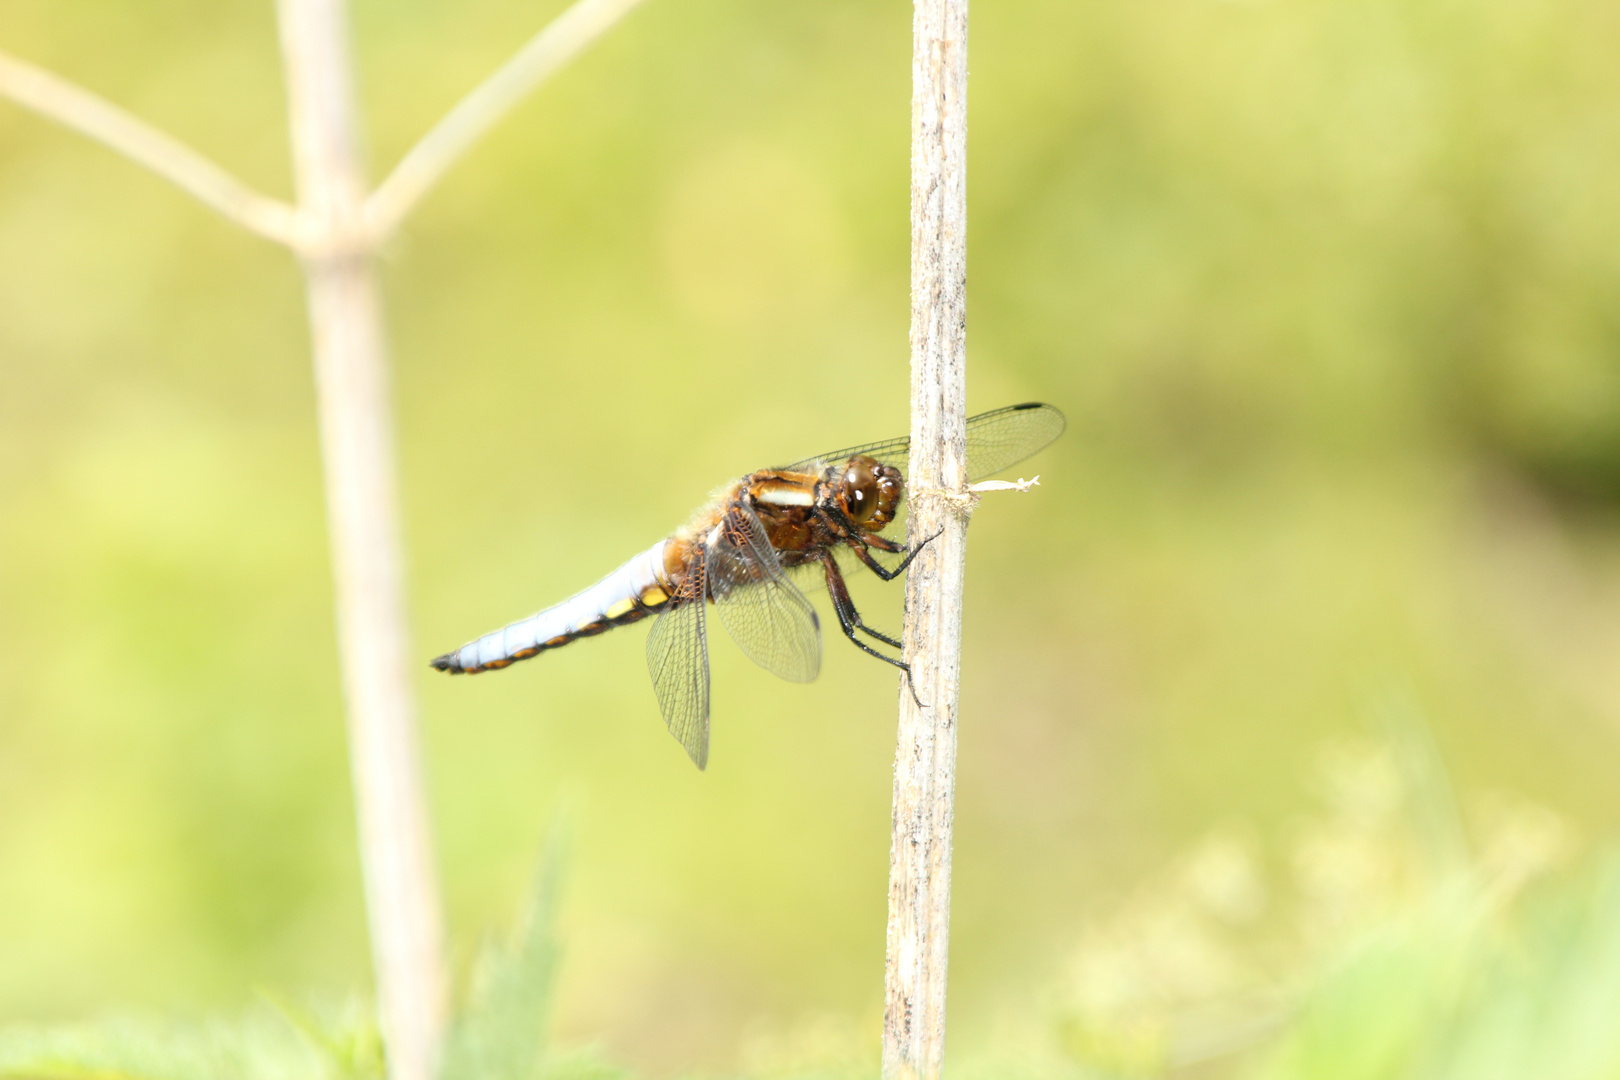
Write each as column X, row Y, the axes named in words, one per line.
column 925, row 754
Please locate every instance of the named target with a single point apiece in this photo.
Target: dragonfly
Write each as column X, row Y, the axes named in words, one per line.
column 735, row 554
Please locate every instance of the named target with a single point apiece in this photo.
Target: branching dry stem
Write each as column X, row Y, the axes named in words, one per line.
column 336, row 229
column 560, row 41
column 97, row 118
column 72, row 106
column 358, row 462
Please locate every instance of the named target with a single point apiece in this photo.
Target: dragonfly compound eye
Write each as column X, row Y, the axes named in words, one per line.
column 860, row 491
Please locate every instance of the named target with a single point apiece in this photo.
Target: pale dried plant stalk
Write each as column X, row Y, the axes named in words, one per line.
column 74, row 107
column 560, row 41
column 925, row 753
column 336, row 228
column 357, row 454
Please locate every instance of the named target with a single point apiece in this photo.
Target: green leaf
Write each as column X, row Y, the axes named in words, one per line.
column 502, row 1033
column 256, row 1046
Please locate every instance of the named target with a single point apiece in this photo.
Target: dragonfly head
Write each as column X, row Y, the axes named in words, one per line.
column 868, row 492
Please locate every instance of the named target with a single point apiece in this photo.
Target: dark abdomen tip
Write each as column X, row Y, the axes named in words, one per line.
column 450, row 662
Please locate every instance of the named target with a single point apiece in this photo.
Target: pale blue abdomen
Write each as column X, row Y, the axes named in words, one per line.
column 635, row 590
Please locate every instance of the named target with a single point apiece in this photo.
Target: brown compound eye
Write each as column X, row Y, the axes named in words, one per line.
column 889, row 486
column 860, row 492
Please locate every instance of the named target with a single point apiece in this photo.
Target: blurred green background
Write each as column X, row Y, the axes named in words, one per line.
column 1329, row 291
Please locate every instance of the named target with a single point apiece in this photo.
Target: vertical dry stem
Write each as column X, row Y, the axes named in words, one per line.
column 925, row 755
column 335, row 234
column 363, row 518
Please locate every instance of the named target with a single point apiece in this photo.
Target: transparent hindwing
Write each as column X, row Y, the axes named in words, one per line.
column 678, row 658
column 765, row 613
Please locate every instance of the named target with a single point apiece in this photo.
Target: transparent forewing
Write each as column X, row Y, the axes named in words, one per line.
column 1001, row 439
column 678, row 657
column 764, row 612
column 896, row 452
column 995, row 441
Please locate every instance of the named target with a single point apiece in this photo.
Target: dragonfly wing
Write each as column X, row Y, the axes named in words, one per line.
column 896, row 452
column 765, row 613
column 995, row 440
column 1001, row 439
column 678, row 658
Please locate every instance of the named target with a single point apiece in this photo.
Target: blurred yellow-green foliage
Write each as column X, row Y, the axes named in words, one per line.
column 1329, row 291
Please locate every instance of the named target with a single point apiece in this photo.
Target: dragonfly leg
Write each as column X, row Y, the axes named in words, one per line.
column 883, row 543
column 846, row 530
column 859, row 547
column 845, row 606
column 849, row 620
